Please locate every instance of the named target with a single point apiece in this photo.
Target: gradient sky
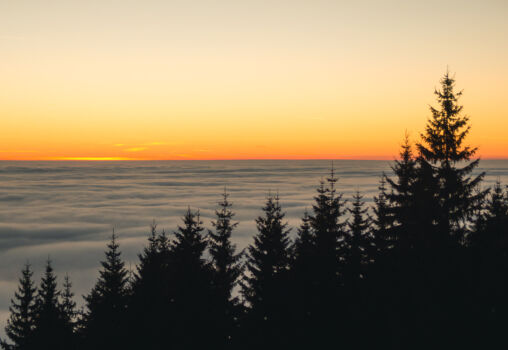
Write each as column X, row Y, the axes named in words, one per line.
column 243, row 79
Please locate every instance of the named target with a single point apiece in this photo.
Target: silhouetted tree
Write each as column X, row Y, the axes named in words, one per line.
column 226, row 270
column 265, row 282
column 488, row 245
column 302, row 282
column 358, row 242
column 50, row 323
column 304, row 251
column 149, row 308
column 328, row 232
column 401, row 197
column 106, row 304
column 491, row 230
column 382, row 221
column 68, row 305
column 68, row 313
column 192, row 291
column 442, row 148
column 358, row 253
column 21, row 322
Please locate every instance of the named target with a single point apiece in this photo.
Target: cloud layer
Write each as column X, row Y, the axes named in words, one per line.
column 67, row 210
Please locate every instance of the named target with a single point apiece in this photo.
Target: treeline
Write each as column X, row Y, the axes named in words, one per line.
column 426, row 267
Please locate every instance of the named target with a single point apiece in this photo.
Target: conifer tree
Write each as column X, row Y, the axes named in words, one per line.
column 149, row 308
column 50, row 324
column 443, row 148
column 413, row 209
column 68, row 313
column 20, row 325
column 491, row 226
column 226, row 270
column 488, row 244
column 190, row 242
column 412, row 201
column 401, row 198
column 191, row 278
column 358, row 242
column 359, row 254
column 302, row 282
column 225, row 260
column 382, row 221
column 106, row 304
column 304, row 246
column 265, row 282
column 68, row 305
column 329, row 233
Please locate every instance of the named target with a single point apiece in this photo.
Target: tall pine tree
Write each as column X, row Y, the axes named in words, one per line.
column 401, row 198
column 328, row 232
column 104, row 319
column 50, row 324
column 68, row 313
column 359, row 254
column 491, row 230
column 358, row 243
column 226, row 270
column 302, row 283
column 149, row 307
column 443, row 149
column 265, row 286
column 191, row 278
column 21, row 322
column 382, row 221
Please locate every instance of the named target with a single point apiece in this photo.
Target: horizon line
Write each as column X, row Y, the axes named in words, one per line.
column 125, row 159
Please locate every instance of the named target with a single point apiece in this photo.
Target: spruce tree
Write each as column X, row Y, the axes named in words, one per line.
column 265, row 287
column 225, row 260
column 401, row 197
column 226, row 270
column 443, row 149
column 50, row 324
column 21, row 322
column 359, row 254
column 149, row 307
column 412, row 203
column 106, row 305
column 304, row 248
column 491, row 227
column 68, row 313
column 191, row 278
column 488, row 244
column 68, row 305
column 328, row 232
column 302, row 282
column 382, row 221
column 403, row 277
column 358, row 243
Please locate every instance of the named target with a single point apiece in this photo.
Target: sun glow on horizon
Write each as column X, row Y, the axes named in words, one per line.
column 243, row 80
column 89, row 158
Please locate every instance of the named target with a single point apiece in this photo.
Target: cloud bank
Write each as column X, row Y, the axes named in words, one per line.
column 67, row 210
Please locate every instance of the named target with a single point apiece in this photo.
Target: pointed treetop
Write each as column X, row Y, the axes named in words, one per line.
column 447, row 129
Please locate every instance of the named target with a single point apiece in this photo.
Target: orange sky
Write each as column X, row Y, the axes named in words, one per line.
column 229, row 80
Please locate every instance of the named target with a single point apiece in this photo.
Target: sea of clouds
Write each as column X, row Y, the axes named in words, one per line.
column 67, row 210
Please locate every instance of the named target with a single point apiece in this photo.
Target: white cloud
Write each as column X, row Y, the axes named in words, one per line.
column 67, row 210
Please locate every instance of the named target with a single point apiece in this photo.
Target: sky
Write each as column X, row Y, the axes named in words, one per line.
column 229, row 79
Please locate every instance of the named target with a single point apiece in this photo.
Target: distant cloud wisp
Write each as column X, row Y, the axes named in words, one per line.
column 135, row 149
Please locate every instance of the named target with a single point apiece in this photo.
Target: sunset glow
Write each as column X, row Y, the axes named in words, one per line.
column 243, row 80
